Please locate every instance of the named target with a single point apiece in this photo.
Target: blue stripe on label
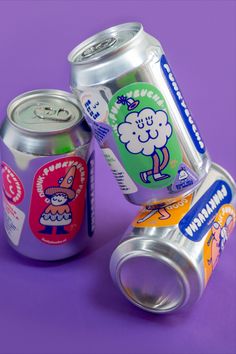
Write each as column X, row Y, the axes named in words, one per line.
column 188, row 120
column 90, row 196
column 196, row 223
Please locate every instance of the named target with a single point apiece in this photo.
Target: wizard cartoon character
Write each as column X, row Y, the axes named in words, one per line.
column 58, row 213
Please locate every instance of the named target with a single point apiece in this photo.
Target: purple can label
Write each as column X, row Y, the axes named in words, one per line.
column 91, row 195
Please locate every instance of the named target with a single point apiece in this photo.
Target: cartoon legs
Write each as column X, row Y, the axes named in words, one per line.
column 157, row 167
column 60, row 230
column 153, row 210
column 49, row 229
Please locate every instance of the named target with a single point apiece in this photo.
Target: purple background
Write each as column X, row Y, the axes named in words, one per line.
column 73, row 307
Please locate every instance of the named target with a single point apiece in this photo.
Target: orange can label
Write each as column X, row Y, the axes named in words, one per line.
column 156, row 216
column 217, row 236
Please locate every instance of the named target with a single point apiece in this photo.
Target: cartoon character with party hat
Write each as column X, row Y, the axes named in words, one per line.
column 58, row 213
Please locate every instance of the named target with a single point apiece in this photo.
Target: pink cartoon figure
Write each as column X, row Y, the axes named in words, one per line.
column 58, row 213
column 153, row 209
column 218, row 239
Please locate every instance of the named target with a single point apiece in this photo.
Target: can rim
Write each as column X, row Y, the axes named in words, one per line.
column 34, row 93
column 118, row 259
column 164, row 260
column 75, row 51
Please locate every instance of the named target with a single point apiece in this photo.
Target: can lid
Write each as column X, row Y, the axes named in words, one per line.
column 154, row 275
column 105, row 42
column 151, row 283
column 44, row 111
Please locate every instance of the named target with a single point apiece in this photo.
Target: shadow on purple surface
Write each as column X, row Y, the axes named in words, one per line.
column 101, row 237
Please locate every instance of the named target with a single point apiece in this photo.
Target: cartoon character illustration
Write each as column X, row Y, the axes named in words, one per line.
column 144, row 132
column 58, row 213
column 218, row 239
column 153, row 210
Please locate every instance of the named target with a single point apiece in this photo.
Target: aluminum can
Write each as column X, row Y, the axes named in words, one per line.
column 47, row 175
column 166, row 257
column 133, row 103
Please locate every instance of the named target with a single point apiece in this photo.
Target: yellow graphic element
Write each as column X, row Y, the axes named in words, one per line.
column 156, row 216
column 222, row 227
column 173, row 163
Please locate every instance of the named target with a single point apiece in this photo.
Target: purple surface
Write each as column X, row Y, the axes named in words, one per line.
column 73, row 307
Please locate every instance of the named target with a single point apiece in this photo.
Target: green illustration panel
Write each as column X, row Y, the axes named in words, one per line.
column 144, row 134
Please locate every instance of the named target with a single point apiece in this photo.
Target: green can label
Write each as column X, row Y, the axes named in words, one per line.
column 144, row 135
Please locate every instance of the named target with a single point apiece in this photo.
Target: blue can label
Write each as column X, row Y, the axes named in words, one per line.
column 90, row 196
column 196, row 223
column 183, row 109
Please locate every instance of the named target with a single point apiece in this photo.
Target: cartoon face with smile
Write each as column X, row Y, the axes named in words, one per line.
column 59, row 199
column 143, row 133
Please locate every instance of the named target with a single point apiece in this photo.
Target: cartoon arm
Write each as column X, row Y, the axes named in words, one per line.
column 48, row 209
column 148, row 216
column 67, row 208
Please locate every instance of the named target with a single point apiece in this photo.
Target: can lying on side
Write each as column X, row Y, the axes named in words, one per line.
column 138, row 115
column 47, row 175
column 165, row 259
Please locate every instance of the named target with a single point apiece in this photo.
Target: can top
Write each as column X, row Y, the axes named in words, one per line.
column 103, row 43
column 44, row 111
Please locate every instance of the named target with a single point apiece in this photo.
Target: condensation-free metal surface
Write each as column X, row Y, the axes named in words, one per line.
column 158, row 268
column 137, row 61
column 44, row 123
column 44, row 111
column 151, row 283
column 104, row 43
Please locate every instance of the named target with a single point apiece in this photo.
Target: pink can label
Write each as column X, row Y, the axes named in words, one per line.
column 12, row 186
column 58, row 200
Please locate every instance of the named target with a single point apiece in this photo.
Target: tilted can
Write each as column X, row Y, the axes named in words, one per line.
column 47, row 175
column 165, row 259
column 138, row 115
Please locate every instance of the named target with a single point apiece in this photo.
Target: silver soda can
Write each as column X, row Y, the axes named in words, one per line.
column 47, row 175
column 167, row 256
column 138, row 115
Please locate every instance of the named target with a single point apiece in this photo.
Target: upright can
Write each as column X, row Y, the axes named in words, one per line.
column 165, row 259
column 138, row 115
column 47, row 175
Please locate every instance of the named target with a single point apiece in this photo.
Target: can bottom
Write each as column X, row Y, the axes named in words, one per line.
column 53, row 253
column 151, row 283
column 155, row 275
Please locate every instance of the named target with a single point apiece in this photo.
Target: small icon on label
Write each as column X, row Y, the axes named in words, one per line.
column 182, row 174
column 128, row 101
column 185, row 178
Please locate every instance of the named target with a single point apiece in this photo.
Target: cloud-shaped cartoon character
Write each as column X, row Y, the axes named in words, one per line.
column 143, row 133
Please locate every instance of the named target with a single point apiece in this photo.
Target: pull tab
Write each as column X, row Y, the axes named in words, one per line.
column 50, row 113
column 98, row 47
